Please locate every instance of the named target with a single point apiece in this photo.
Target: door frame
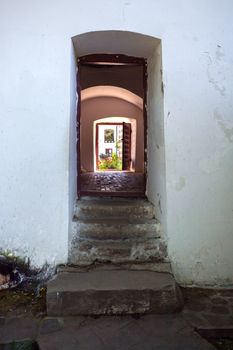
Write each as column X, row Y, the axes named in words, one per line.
column 129, row 125
column 117, row 59
column 97, row 136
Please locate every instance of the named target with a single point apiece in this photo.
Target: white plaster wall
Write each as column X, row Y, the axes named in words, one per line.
column 34, row 133
column 35, row 92
column 156, row 174
column 199, row 146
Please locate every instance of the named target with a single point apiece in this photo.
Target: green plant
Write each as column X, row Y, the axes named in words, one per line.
column 113, row 162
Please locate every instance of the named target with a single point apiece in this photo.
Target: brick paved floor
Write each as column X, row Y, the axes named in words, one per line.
column 113, row 183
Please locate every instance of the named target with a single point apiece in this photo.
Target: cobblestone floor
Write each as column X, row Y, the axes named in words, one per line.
column 150, row 332
column 114, row 183
column 203, row 309
column 206, row 308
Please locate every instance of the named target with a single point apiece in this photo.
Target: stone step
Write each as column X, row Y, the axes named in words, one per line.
column 112, row 293
column 113, row 207
column 89, row 251
column 117, row 228
column 150, row 266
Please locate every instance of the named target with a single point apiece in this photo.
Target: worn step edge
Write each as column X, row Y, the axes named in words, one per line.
column 117, row 220
column 102, row 292
column 115, row 236
column 87, row 253
column 98, row 214
column 115, row 232
column 105, row 208
column 113, row 201
column 123, row 243
column 155, row 267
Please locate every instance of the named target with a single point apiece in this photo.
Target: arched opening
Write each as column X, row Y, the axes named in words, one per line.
column 140, row 47
column 118, row 108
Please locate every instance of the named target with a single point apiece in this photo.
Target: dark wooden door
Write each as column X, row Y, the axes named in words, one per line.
column 126, row 152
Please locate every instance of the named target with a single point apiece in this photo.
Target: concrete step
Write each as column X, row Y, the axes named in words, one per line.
column 89, row 251
column 112, row 293
column 112, row 207
column 116, row 228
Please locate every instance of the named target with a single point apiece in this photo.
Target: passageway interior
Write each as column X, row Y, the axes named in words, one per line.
column 112, row 126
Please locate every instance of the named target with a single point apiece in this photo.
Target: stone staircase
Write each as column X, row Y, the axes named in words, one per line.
column 115, row 231
column 117, row 262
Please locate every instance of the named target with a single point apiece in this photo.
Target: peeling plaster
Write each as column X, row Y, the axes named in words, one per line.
column 159, row 203
column 215, row 78
column 228, row 131
column 168, row 114
column 216, row 84
column 219, row 54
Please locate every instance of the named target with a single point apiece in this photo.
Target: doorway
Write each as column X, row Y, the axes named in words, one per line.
column 113, row 146
column 109, row 146
column 112, row 149
column 96, row 85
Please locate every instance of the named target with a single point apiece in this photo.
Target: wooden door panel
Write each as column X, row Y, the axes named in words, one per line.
column 126, row 146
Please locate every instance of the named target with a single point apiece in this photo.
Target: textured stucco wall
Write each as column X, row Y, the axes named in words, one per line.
column 35, row 90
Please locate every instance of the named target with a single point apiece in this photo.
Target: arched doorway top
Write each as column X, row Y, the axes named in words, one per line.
column 112, row 91
column 115, row 119
column 115, row 42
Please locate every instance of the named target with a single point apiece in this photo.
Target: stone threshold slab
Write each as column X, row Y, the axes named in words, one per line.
column 111, row 292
